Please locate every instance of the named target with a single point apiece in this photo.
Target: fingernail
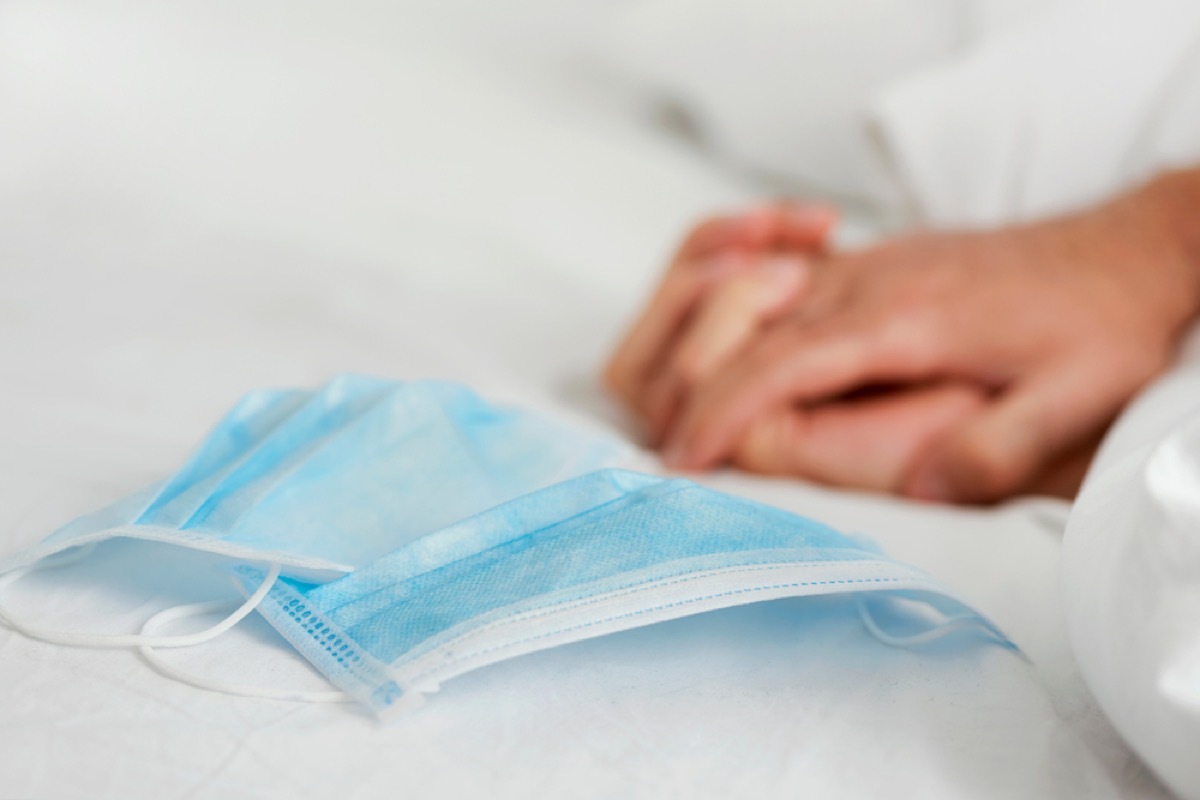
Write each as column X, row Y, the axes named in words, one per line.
column 761, row 222
column 726, row 263
column 784, row 275
column 786, row 265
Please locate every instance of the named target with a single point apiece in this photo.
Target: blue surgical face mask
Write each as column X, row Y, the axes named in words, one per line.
column 321, row 482
column 602, row 553
column 423, row 533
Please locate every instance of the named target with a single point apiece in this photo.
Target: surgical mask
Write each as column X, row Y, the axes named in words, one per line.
column 321, row 482
column 423, row 533
column 603, row 553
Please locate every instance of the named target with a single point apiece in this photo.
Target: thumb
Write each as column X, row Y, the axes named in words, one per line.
column 1003, row 447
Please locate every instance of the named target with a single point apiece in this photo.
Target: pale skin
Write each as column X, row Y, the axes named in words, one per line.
column 956, row 367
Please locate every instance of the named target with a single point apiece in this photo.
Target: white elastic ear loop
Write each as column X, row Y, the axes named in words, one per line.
column 175, row 673
column 938, row 631
column 81, row 639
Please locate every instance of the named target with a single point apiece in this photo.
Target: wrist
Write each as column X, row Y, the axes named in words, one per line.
column 1169, row 210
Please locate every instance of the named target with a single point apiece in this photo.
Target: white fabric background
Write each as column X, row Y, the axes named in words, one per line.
column 1131, row 575
column 226, row 196
column 949, row 113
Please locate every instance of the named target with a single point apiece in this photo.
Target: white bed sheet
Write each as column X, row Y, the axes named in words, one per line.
column 198, row 203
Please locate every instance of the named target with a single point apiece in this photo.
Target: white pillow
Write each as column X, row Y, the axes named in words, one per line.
column 1079, row 102
column 949, row 112
column 781, row 86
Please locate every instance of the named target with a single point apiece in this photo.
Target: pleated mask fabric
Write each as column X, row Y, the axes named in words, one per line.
column 323, row 481
column 402, row 534
column 602, row 553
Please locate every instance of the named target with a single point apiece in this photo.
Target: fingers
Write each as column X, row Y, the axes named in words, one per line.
column 869, row 443
column 1025, row 435
column 788, row 226
column 781, row 225
column 730, row 316
column 713, row 251
column 648, row 341
column 713, row 235
column 1065, row 475
column 795, row 364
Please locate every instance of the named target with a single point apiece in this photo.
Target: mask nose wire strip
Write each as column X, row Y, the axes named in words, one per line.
column 82, row 639
column 169, row 615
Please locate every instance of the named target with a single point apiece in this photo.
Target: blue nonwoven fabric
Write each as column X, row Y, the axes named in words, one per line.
column 422, row 533
column 323, row 481
column 601, row 553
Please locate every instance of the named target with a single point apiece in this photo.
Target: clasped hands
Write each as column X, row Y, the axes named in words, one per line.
column 959, row 367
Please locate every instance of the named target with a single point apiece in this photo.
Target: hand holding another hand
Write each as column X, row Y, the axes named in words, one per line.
column 949, row 366
column 732, row 276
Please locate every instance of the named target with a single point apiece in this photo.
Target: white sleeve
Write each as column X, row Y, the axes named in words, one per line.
column 1131, row 577
column 1082, row 100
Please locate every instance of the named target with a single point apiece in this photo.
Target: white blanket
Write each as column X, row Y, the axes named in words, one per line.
column 199, row 203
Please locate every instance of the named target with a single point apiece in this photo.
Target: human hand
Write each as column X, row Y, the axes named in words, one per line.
column 1052, row 326
column 731, row 276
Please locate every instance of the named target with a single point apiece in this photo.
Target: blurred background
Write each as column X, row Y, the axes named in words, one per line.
column 240, row 193
column 201, row 197
column 198, row 199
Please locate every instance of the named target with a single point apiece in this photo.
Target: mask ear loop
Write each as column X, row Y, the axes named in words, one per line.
column 938, row 630
column 173, row 672
column 82, row 639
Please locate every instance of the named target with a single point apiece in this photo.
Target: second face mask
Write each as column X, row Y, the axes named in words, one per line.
column 602, row 553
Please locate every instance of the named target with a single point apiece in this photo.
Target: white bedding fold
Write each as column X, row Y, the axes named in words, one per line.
column 1131, row 578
